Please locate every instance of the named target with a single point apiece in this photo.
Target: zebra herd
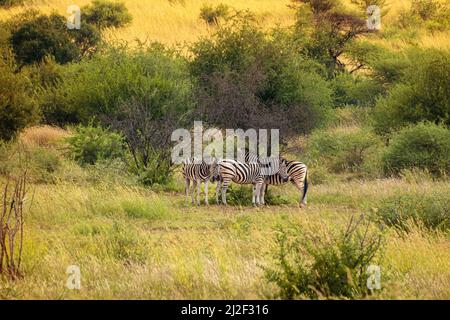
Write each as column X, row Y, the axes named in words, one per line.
column 253, row 170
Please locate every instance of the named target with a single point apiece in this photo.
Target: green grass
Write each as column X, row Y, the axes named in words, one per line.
column 135, row 243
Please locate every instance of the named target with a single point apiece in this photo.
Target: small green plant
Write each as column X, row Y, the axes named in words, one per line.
column 212, row 15
column 315, row 266
column 90, row 144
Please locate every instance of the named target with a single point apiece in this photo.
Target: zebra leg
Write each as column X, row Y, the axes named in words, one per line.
column 188, row 185
column 224, row 188
column 254, row 195
column 194, row 185
column 219, row 186
column 258, row 193
column 199, row 189
column 300, row 186
column 263, row 194
column 206, row 193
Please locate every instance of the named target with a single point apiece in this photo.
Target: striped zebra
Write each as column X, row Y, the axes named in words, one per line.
column 298, row 175
column 251, row 172
column 198, row 172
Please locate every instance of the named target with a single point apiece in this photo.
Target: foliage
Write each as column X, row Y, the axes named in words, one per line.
column 430, row 210
column 106, row 14
column 10, row 3
column 355, row 90
column 343, row 150
column 245, row 74
column 17, row 108
column 423, row 94
column 424, row 146
column 41, row 35
column 318, row 266
column 211, row 15
column 90, row 144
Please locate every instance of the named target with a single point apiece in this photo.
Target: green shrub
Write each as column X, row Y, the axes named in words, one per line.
column 423, row 94
column 100, row 85
column 106, row 14
column 355, row 90
column 423, row 146
column 212, row 15
column 90, row 144
column 429, row 210
column 342, row 149
column 17, row 108
column 314, row 266
column 42, row 35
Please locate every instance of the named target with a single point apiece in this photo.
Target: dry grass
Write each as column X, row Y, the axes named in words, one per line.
column 43, row 136
column 177, row 21
column 133, row 243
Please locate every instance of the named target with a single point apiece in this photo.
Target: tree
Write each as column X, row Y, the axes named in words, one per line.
column 105, row 14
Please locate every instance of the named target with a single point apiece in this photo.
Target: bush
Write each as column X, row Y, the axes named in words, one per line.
column 105, row 14
column 343, row 149
column 429, row 210
column 212, row 15
column 423, row 146
column 355, row 90
column 250, row 78
column 48, row 35
column 90, row 144
column 17, row 108
column 10, row 3
column 422, row 95
column 318, row 266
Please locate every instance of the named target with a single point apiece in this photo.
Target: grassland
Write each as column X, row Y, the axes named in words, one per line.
column 131, row 242
column 177, row 21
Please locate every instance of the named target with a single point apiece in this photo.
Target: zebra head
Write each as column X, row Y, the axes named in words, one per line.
column 214, row 170
column 283, row 170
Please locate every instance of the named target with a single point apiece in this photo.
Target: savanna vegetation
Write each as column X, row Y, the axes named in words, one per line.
column 85, row 151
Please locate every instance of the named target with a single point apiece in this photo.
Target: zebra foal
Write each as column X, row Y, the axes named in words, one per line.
column 198, row 172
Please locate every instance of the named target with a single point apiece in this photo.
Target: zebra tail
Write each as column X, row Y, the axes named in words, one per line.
column 305, row 187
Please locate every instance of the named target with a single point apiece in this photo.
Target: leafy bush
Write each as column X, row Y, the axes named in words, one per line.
column 106, row 14
column 318, row 266
column 434, row 14
column 355, row 90
column 212, row 15
column 343, row 149
column 430, row 210
column 17, row 108
column 90, row 144
column 43, row 35
column 250, row 78
column 422, row 95
column 424, row 146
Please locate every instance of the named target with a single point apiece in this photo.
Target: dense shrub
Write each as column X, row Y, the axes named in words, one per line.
column 424, row 146
column 429, row 210
column 423, row 94
column 90, row 144
column 105, row 14
column 101, row 85
column 17, row 108
column 343, row 149
column 315, row 266
column 246, row 74
column 212, row 15
column 355, row 90
column 43, row 35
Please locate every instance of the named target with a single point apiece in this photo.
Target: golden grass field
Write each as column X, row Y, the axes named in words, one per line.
column 177, row 21
column 130, row 243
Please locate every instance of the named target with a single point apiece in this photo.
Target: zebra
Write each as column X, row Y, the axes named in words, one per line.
column 298, row 175
column 251, row 172
column 198, row 172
